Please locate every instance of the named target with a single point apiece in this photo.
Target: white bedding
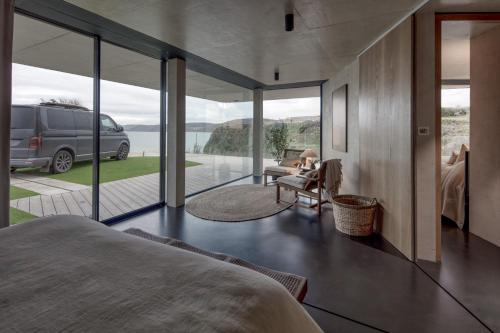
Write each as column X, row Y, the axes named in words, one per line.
column 453, row 192
column 70, row 274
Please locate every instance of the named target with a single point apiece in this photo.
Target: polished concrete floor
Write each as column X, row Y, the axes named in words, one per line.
column 470, row 271
column 355, row 285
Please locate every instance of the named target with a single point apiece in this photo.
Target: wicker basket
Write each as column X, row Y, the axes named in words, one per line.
column 354, row 215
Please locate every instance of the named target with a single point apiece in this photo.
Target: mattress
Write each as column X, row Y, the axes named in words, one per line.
column 68, row 273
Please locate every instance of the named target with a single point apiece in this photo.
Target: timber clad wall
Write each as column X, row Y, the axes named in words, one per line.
column 485, row 136
column 385, row 132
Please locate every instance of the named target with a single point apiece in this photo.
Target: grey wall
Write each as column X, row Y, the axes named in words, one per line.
column 350, row 159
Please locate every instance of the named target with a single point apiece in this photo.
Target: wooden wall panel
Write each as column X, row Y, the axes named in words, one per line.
column 385, row 132
column 485, row 136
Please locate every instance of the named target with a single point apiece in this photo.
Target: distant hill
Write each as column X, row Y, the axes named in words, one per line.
column 210, row 127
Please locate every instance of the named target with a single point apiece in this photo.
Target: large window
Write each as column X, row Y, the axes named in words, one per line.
column 51, row 132
column 291, row 116
column 455, row 119
column 219, row 120
column 129, row 131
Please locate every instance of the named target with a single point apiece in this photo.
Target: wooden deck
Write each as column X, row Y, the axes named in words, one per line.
column 126, row 195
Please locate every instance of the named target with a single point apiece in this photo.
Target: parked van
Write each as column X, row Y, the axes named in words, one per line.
column 53, row 136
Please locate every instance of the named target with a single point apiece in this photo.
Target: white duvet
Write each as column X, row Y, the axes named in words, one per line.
column 453, row 192
column 68, row 273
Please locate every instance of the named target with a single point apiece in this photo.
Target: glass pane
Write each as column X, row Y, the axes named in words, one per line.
column 455, row 119
column 219, row 122
column 52, row 93
column 130, row 131
column 291, row 121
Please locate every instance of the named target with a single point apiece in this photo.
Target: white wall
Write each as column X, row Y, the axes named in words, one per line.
column 350, row 160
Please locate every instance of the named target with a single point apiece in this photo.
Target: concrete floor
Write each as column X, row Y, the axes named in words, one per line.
column 355, row 285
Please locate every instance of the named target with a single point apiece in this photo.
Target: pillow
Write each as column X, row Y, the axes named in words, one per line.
column 289, row 163
column 453, row 158
column 312, row 178
column 461, row 155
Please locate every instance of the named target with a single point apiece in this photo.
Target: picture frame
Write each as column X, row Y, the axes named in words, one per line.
column 339, row 118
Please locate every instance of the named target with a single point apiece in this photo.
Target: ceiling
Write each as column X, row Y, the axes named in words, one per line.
column 249, row 36
column 455, row 54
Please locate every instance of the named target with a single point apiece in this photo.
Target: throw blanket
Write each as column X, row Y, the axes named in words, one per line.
column 333, row 178
column 67, row 273
column 453, row 192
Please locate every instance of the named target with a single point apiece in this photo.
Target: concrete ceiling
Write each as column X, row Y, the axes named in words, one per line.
column 249, row 36
column 456, row 36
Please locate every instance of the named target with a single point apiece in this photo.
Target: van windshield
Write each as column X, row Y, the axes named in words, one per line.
column 22, row 118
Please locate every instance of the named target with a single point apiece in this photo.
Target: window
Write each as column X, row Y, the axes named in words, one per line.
column 130, row 131
column 54, row 66
column 455, row 119
column 219, row 124
column 83, row 120
column 107, row 124
column 293, row 115
column 60, row 119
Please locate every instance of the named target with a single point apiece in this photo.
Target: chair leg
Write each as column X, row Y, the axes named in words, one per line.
column 319, row 202
column 277, row 193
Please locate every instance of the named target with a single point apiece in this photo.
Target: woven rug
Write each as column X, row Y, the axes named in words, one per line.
column 239, row 203
column 295, row 284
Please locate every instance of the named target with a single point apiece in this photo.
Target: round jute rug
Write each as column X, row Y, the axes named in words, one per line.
column 239, row 203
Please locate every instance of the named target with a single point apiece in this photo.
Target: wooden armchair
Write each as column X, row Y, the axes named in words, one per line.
column 309, row 185
column 289, row 165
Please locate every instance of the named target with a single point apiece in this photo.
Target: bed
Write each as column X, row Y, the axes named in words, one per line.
column 455, row 191
column 68, row 273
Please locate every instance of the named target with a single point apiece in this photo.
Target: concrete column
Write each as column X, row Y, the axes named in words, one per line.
column 6, row 30
column 176, row 132
column 258, row 132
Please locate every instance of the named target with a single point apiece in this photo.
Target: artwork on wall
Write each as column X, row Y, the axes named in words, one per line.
column 339, row 119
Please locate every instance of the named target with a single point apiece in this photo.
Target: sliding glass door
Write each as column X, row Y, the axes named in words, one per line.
column 129, row 175
column 51, row 121
column 219, row 122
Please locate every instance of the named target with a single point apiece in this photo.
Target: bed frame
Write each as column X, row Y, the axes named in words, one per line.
column 467, row 170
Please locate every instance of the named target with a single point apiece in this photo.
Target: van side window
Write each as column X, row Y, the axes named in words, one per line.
column 83, row 120
column 107, row 124
column 60, row 119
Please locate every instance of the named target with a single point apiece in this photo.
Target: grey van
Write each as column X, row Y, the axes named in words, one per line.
column 53, row 136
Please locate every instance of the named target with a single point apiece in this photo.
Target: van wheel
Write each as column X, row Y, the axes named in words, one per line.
column 122, row 152
column 62, row 162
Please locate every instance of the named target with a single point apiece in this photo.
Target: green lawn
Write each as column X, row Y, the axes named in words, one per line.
column 18, row 216
column 110, row 170
column 18, row 193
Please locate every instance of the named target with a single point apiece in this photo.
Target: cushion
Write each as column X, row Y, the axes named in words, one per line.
column 294, row 181
column 453, row 158
column 461, row 155
column 281, row 169
column 290, row 163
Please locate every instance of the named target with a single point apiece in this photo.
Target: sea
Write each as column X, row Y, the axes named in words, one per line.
column 148, row 143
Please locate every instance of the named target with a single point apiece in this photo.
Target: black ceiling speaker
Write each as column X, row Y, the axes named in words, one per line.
column 289, row 22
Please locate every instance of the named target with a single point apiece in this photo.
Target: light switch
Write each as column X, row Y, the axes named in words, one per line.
column 423, row 130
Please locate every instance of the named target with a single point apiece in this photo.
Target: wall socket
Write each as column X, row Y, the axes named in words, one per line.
column 423, row 130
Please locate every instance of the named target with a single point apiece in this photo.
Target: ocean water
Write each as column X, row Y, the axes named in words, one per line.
column 149, row 142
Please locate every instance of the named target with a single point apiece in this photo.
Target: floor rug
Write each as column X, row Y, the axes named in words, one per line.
column 239, row 203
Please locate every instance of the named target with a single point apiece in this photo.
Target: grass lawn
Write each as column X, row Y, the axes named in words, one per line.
column 110, row 170
column 18, row 216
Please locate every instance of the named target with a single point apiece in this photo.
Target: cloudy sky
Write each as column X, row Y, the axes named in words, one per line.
column 129, row 104
column 455, row 97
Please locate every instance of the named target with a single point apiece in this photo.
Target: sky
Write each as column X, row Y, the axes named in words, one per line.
column 455, row 97
column 128, row 104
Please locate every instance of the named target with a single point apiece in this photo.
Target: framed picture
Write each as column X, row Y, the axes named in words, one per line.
column 339, row 119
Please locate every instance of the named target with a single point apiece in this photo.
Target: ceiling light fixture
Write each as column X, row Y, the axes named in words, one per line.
column 289, row 22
